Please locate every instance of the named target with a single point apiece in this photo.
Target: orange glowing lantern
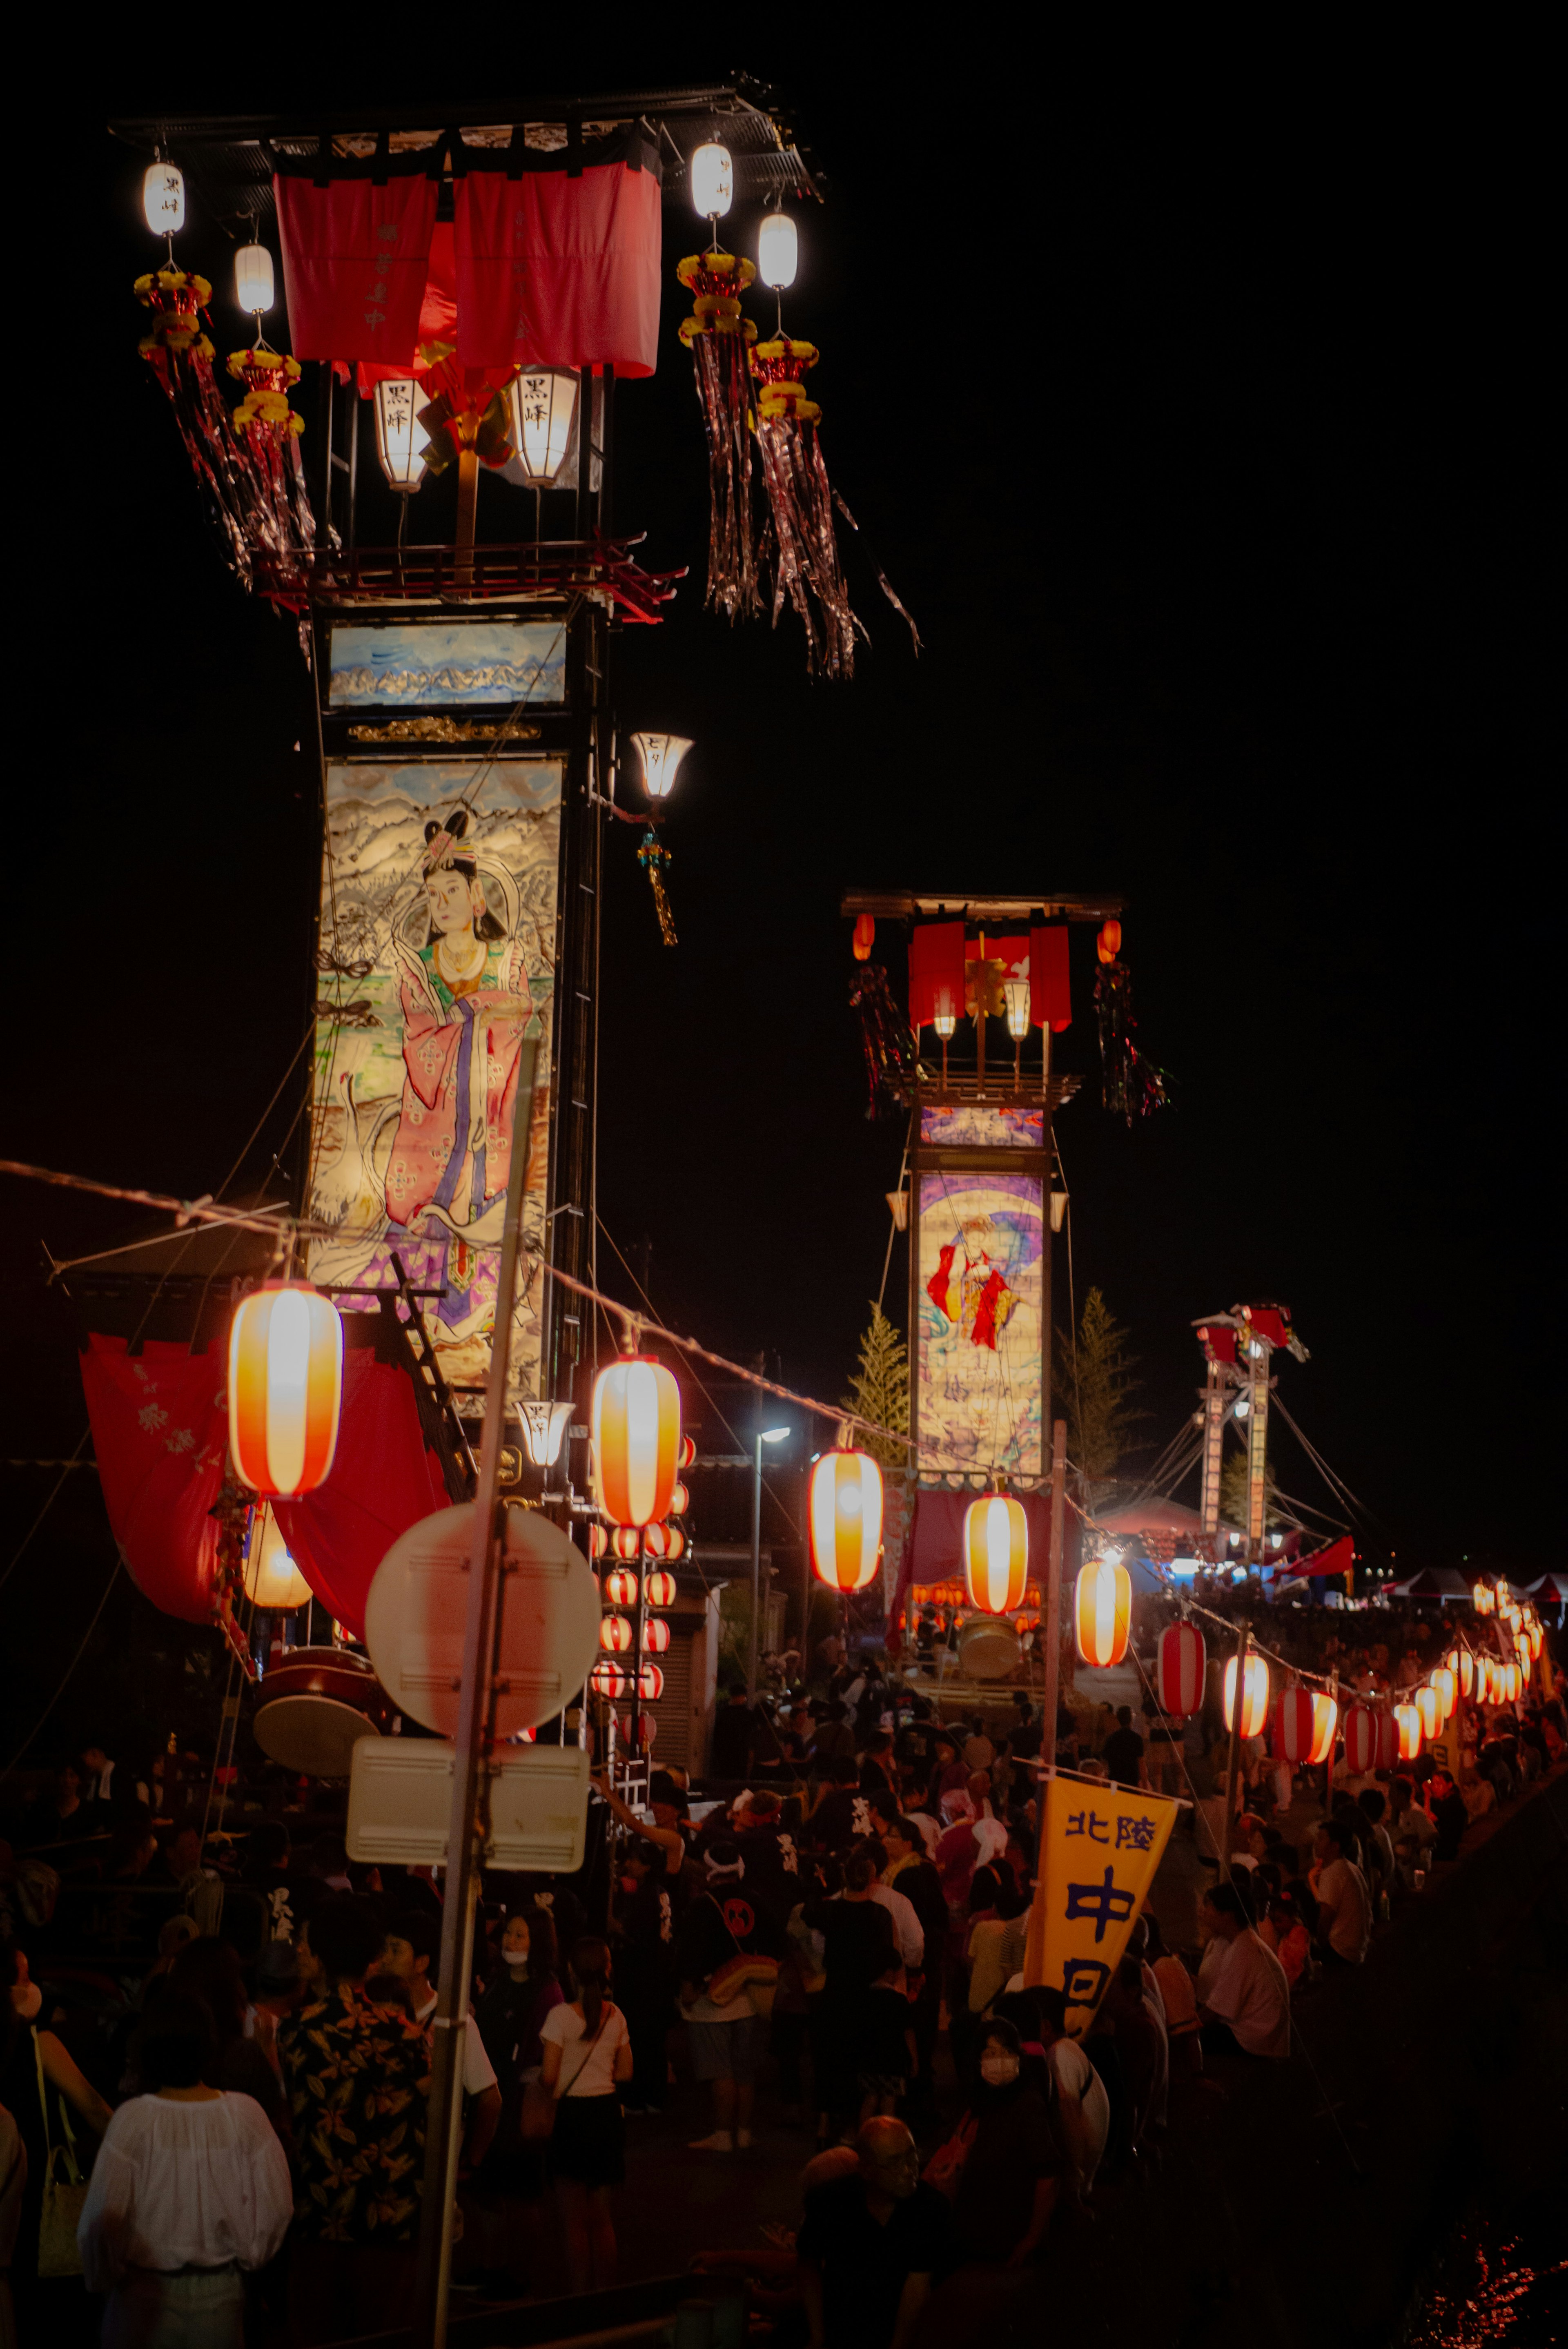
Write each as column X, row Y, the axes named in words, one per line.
column 1429, row 1705
column 285, row 1387
column 1388, row 1742
column 1448, row 1691
column 273, row 1581
column 666, row 1542
column 1325, row 1720
column 865, row 936
column 1462, row 1665
column 1102, row 1611
column 844, row 1514
column 621, row 1588
column 996, row 1553
column 615, row 1636
column 661, row 1589
column 1537, row 1641
column 637, row 1430
column 1512, row 1681
column 1409, row 1720
column 1108, row 943
column 625, row 1541
column 1254, row 1696
column 655, row 1636
column 1482, row 1600
column 598, row 1540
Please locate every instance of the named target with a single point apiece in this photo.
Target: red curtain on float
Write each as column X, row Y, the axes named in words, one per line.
column 546, row 261
column 1050, row 988
column 383, row 1481
column 935, row 970
column 161, row 1434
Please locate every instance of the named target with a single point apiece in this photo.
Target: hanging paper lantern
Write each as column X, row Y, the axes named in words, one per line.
column 845, row 1512
column 996, row 1553
column 1462, row 1665
column 254, row 288
column 609, row 1679
column 1293, row 1725
column 163, row 199
column 1481, row 1599
column 273, row 1581
column 1180, row 1671
column 1448, row 1691
column 650, row 1684
column 625, row 1541
column 615, row 1635
column 1325, row 1720
column 1254, row 1695
column 865, row 937
column 1360, row 1741
column 1102, row 1611
column 285, row 1388
column 1409, row 1720
column 680, row 1501
column 1429, row 1704
column 660, row 1590
column 620, row 1587
column 1108, row 945
column 1387, row 1740
column 1537, row 1641
column 1512, row 1683
column 686, row 1455
column 637, row 1430
column 664, row 1542
column 598, row 1540
column 656, row 1635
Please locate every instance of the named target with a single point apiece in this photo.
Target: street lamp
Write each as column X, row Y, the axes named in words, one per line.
column 764, row 1435
column 661, row 755
column 543, row 1426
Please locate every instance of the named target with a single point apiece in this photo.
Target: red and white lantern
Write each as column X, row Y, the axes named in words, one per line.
column 996, row 1553
column 615, row 1635
column 1293, row 1726
column 621, row 1586
column 844, row 1518
column 1325, row 1722
column 1429, row 1705
column 1180, row 1671
column 1388, row 1742
column 1448, row 1692
column 598, row 1540
column 661, row 1589
column 1254, row 1695
column 285, row 1388
column 680, row 1502
column 1408, row 1718
column 650, row 1684
column 609, row 1679
column 1360, row 1741
column 656, row 1635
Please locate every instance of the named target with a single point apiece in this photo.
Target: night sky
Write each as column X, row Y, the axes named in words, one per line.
column 1206, row 452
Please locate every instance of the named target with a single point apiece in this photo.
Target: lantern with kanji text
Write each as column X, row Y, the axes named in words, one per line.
column 1254, row 1696
column 285, row 1388
column 1180, row 1671
column 844, row 1518
column 637, row 1432
column 996, row 1553
column 1102, row 1611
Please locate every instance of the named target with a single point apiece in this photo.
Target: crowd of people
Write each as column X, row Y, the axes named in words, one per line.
column 212, row 2093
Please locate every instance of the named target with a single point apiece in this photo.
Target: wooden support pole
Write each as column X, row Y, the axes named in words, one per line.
column 1234, row 1763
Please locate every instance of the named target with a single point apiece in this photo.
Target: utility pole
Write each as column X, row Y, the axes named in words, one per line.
column 470, row 1771
column 756, row 1575
column 1233, row 1764
column 1035, row 1946
column 1216, row 1405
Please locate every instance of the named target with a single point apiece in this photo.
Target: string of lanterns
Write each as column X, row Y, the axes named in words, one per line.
column 638, row 1454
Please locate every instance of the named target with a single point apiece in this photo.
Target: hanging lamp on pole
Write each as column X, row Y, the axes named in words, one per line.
column 285, row 1387
column 996, row 1553
column 844, row 1514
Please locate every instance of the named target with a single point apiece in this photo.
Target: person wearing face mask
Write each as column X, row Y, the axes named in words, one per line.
column 1013, row 2171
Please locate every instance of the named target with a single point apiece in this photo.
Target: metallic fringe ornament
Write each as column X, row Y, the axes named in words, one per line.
column 806, row 552
column 653, row 856
column 248, row 465
column 1131, row 1086
column 716, row 336
column 885, row 1040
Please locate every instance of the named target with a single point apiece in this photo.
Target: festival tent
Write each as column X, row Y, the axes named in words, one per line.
column 1550, row 1588
column 1433, row 1582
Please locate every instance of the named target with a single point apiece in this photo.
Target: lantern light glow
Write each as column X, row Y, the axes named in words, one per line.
column 1254, row 1695
column 542, row 402
column 844, row 1515
column 636, row 1432
column 273, row 1581
column 996, row 1553
column 1102, row 1612
column 401, row 439
column 163, row 199
column 253, row 279
column 285, row 1387
column 1408, row 1718
column 661, row 755
column 778, row 252
column 712, row 179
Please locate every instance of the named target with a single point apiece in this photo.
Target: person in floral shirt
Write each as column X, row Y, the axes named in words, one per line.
column 358, row 2079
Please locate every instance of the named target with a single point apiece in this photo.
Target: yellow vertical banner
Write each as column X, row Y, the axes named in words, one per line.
column 1101, row 1848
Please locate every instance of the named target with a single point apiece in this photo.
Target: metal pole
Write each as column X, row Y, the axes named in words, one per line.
column 482, row 1627
column 1233, row 1764
column 1034, row 1946
column 756, row 1578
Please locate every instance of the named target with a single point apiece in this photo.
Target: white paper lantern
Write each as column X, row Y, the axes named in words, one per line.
column 543, row 403
column 778, row 251
column 661, row 755
column 401, row 439
column 253, row 278
column 712, row 179
column 163, row 198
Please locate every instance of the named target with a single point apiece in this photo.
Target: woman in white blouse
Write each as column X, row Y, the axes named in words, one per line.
column 190, row 2187
column 586, row 2052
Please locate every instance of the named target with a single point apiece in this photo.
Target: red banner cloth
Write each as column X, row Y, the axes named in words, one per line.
column 558, row 271
column 1219, row 1340
column 1271, row 1322
column 383, row 1481
column 1050, row 988
column 935, row 972
column 355, row 259
column 161, row 1433
column 1339, row 1557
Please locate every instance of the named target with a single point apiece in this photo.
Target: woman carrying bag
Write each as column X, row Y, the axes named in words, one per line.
column 586, row 2054
column 40, row 2087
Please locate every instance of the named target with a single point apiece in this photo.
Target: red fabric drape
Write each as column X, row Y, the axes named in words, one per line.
column 161, row 1430
column 383, row 1481
column 1339, row 1557
column 935, row 971
column 559, row 272
column 1050, row 988
column 356, row 258
column 1221, row 1341
column 1271, row 1323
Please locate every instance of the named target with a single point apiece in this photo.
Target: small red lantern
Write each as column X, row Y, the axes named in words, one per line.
column 623, row 1541
column 1108, row 945
column 865, row 936
column 1293, row 1725
column 1410, row 1720
column 844, row 1517
column 621, row 1588
column 656, row 1635
column 598, row 1540
column 650, row 1684
column 1325, row 1720
column 615, row 1635
column 1360, row 1741
column 1254, row 1695
column 661, row 1589
column 1180, row 1671
column 636, row 1428
column 285, row 1388
column 680, row 1501
column 686, row 1455
column 665, row 1541
column 1387, row 1742
column 609, row 1679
